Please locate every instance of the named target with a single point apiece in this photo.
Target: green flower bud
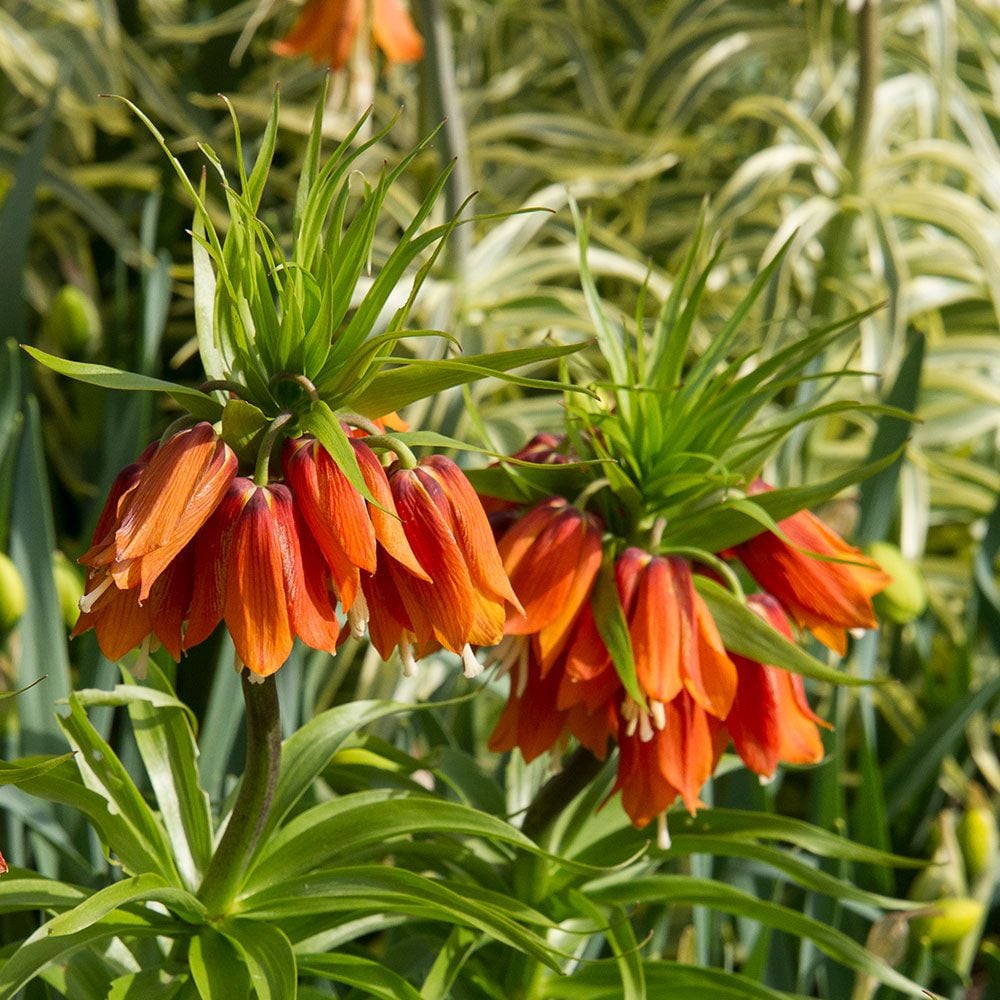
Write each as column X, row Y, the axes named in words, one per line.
column 977, row 833
column 69, row 588
column 906, row 597
column 13, row 597
column 949, row 921
column 73, row 322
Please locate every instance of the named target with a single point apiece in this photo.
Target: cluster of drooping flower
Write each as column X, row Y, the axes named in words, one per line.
column 698, row 696
column 185, row 541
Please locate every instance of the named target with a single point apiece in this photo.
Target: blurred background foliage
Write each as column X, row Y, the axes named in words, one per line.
column 865, row 134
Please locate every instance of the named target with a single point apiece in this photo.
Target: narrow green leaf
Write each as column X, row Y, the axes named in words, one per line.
column 378, row 888
column 918, row 765
column 41, row 653
column 392, row 390
column 683, row 890
column 322, row 422
column 747, row 634
column 268, row 955
column 461, row 943
column 727, row 527
column 308, row 750
column 13, row 773
column 669, row 980
column 37, row 893
column 613, row 628
column 372, row 978
column 355, row 823
column 623, row 943
column 197, row 403
column 166, row 740
column 41, row 949
column 216, row 967
column 105, row 774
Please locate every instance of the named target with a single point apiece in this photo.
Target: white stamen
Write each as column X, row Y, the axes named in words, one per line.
column 357, row 617
column 473, row 668
column 662, row 833
column 659, row 713
column 255, row 678
column 645, row 729
column 766, row 779
column 630, row 712
column 406, row 655
column 89, row 600
column 857, row 633
column 140, row 667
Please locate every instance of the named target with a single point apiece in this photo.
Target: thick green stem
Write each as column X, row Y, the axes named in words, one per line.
column 441, row 103
column 838, row 237
column 228, row 866
column 261, row 471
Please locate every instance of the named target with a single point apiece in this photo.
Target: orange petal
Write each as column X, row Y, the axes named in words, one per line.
column 754, row 722
column 325, row 30
column 395, row 34
column 660, row 626
column 646, row 790
column 313, row 617
column 388, row 527
column 333, row 509
column 686, row 748
column 177, row 493
column 800, row 741
column 471, row 528
column 119, row 621
column 445, row 609
column 552, row 639
column 256, row 608
column 709, row 675
column 387, row 617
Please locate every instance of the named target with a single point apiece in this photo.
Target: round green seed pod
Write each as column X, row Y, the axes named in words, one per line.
column 906, row 597
column 13, row 597
column 69, row 588
column 73, row 322
column 978, row 835
column 951, row 920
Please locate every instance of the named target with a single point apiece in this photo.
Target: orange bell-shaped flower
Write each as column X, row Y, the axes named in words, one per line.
column 771, row 720
column 250, row 571
column 326, row 30
column 448, row 532
column 823, row 596
column 551, row 555
column 163, row 507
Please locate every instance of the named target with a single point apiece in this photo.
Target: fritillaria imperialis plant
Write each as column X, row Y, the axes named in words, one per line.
column 636, row 628
column 285, row 501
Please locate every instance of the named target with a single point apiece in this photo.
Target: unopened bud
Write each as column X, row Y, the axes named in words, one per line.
column 13, row 597
column 977, row 833
column 906, row 597
column 69, row 588
column 949, row 921
column 73, row 322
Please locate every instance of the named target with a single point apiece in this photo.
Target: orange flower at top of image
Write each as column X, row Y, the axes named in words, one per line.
column 821, row 595
column 326, row 31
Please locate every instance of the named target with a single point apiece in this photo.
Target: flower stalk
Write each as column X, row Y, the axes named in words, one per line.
column 253, row 802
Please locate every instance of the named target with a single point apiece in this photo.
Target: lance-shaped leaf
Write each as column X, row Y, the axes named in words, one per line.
column 197, row 403
column 747, row 634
